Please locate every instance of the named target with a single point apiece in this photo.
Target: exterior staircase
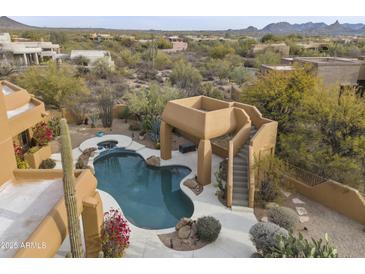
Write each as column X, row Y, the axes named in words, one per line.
column 240, row 174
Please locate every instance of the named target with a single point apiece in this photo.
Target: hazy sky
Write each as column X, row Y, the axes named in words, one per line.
column 175, row 23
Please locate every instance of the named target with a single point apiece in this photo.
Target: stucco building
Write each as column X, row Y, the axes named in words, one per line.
column 334, row 70
column 26, row 53
column 201, row 119
column 33, row 219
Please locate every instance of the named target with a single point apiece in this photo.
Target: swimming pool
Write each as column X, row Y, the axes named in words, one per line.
column 150, row 197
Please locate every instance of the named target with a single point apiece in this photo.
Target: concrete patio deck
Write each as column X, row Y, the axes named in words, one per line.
column 233, row 241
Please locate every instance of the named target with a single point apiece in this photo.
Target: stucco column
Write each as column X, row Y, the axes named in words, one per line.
column 92, row 221
column 165, row 140
column 25, row 59
column 204, row 162
column 36, row 58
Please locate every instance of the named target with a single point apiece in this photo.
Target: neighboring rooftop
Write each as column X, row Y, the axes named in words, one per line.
column 329, row 60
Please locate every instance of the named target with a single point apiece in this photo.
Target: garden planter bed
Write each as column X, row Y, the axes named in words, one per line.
column 35, row 159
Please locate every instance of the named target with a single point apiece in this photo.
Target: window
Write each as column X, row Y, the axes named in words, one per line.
column 25, row 140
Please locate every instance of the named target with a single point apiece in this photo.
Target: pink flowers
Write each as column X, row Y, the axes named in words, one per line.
column 18, row 151
column 115, row 235
column 42, row 134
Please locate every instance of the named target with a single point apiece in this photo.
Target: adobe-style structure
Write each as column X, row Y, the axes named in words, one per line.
column 32, row 208
column 335, row 70
column 27, row 53
column 23, row 111
column 202, row 119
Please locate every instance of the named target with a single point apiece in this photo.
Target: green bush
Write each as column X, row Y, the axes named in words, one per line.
column 283, row 216
column 102, row 69
column 264, row 236
column 47, row 164
column 208, row 228
column 269, row 57
column 298, row 247
column 268, row 191
column 186, row 77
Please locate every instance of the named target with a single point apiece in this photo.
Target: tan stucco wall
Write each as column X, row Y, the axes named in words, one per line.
column 53, row 229
column 35, row 159
column 206, row 118
column 7, row 156
column 341, row 198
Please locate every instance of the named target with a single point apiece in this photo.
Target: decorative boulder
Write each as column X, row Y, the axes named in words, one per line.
column 153, row 161
column 184, row 232
column 183, row 222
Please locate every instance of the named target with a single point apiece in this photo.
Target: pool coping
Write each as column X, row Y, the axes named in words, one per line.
column 233, row 241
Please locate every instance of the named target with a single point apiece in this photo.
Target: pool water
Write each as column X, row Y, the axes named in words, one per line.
column 150, row 197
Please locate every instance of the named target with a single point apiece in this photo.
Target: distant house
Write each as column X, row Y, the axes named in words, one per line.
column 92, row 56
column 101, row 37
column 336, row 71
column 26, row 53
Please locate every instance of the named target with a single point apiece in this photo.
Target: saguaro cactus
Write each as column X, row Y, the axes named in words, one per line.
column 69, row 192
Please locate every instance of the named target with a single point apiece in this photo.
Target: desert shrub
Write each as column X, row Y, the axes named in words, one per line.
column 297, row 247
column 55, row 85
column 6, row 69
column 220, row 51
column 162, row 61
column 154, row 130
column 186, row 77
column 101, row 69
column 208, row 228
column 54, row 125
column 208, row 89
column 42, row 134
column 150, row 101
column 268, row 191
column 130, row 58
column 163, row 43
column 269, row 57
column 239, row 75
column 47, row 164
column 115, row 234
column 283, row 216
column 264, row 236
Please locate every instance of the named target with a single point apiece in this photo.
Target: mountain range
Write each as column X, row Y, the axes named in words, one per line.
column 309, row 28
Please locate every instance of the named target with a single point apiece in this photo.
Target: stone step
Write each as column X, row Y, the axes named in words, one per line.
column 240, row 196
column 240, row 203
column 240, row 189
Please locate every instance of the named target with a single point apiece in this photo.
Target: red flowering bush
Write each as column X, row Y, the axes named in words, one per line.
column 115, row 234
column 18, row 151
column 42, row 134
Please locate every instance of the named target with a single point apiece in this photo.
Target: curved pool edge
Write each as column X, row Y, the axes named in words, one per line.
column 185, row 190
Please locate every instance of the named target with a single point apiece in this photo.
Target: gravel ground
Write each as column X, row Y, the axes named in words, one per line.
column 347, row 235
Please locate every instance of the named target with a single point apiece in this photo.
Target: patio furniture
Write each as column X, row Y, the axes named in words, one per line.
column 187, row 147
